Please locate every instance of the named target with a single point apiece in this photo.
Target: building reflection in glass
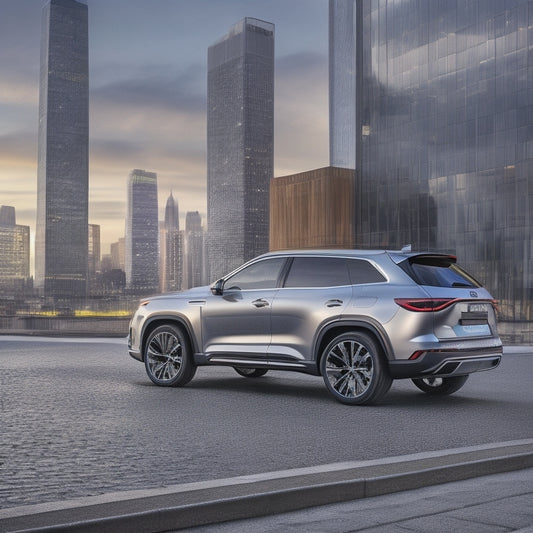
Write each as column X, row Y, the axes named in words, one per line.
column 446, row 136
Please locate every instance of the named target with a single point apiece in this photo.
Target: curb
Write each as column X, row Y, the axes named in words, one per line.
column 209, row 502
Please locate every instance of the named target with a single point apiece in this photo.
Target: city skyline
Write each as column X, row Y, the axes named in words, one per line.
column 148, row 98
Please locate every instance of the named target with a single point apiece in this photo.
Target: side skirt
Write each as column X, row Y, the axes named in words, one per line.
column 202, row 359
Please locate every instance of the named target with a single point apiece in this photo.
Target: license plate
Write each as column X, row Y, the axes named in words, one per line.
column 477, row 308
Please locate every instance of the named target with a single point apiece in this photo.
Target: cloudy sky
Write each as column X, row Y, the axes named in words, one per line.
column 148, row 91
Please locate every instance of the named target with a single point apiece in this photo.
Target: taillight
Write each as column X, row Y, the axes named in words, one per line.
column 424, row 305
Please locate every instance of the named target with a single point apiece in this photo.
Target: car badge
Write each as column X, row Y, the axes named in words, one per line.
column 473, row 294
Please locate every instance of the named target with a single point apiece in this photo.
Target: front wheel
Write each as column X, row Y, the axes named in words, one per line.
column 250, row 372
column 168, row 358
column 440, row 386
column 354, row 369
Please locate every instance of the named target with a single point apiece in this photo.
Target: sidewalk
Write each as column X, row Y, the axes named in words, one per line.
column 361, row 483
column 488, row 504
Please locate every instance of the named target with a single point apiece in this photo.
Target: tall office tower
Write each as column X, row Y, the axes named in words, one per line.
column 194, row 251
column 240, row 141
column 142, row 234
column 7, row 215
column 93, row 256
column 447, row 159
column 342, row 82
column 14, row 253
column 62, row 195
column 171, row 248
column 118, row 254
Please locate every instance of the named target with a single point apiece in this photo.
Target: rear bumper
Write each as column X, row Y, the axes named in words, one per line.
column 447, row 363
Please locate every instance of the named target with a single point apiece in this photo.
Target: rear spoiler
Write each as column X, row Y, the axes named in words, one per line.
column 424, row 257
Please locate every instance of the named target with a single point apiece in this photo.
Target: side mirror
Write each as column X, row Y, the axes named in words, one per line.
column 218, row 287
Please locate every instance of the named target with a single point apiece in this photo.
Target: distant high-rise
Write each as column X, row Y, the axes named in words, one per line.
column 171, row 248
column 342, row 82
column 62, row 197
column 7, row 215
column 118, row 254
column 93, row 256
column 194, row 250
column 240, row 140
column 14, row 252
column 142, row 234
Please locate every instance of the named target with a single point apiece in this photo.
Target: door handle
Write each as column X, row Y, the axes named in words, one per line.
column 196, row 302
column 261, row 302
column 334, row 303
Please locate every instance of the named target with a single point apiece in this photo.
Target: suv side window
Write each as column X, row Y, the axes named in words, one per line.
column 364, row 272
column 318, row 272
column 261, row 275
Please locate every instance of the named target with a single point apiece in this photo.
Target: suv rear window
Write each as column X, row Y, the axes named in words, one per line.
column 437, row 271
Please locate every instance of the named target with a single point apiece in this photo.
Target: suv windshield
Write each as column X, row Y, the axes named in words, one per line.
column 437, row 271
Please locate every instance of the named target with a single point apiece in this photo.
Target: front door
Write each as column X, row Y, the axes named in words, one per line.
column 238, row 322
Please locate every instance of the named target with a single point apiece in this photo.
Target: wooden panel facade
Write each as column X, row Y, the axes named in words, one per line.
column 312, row 209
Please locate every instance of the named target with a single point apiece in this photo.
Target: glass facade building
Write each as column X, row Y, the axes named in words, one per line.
column 240, row 140
column 446, row 133
column 14, row 253
column 94, row 255
column 171, row 248
column 194, row 275
column 142, row 234
column 342, row 83
column 62, row 196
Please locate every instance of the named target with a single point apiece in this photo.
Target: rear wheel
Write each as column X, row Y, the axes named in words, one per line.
column 168, row 358
column 440, row 386
column 354, row 369
column 250, row 372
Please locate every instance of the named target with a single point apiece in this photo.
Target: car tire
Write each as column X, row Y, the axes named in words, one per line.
column 440, row 386
column 168, row 358
column 250, row 372
column 354, row 369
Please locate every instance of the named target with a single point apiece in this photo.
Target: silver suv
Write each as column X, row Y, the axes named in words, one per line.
column 358, row 318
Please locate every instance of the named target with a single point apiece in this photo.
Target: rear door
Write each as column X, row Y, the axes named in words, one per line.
column 467, row 308
column 316, row 290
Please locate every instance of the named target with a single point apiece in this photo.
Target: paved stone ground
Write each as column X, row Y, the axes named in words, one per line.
column 80, row 418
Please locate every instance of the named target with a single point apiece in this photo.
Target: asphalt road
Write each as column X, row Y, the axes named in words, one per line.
column 81, row 418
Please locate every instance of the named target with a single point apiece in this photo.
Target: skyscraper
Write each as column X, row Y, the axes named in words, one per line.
column 447, row 150
column 240, row 140
column 14, row 253
column 62, row 198
column 194, row 262
column 171, row 248
column 342, row 82
column 93, row 257
column 142, row 234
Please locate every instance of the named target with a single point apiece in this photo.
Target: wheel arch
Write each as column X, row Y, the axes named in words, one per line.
column 330, row 331
column 162, row 320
